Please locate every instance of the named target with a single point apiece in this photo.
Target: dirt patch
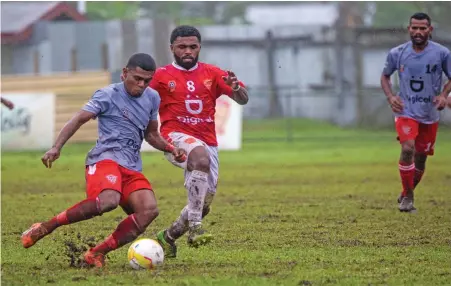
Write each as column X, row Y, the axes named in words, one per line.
column 74, row 253
column 75, row 248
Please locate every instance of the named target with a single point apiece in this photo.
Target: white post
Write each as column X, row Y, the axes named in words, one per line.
column 81, row 7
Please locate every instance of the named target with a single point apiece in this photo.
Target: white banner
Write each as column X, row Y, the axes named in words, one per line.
column 31, row 124
column 228, row 119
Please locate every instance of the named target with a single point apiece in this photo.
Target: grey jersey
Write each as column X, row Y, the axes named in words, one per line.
column 420, row 78
column 122, row 121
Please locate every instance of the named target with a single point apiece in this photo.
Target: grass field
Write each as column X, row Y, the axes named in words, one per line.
column 317, row 211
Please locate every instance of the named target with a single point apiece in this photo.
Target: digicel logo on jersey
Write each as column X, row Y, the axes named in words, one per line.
column 193, row 120
column 419, row 99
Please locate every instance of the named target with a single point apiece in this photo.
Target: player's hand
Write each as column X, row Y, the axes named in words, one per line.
column 50, row 156
column 440, row 102
column 396, row 103
column 179, row 155
column 8, row 103
column 231, row 80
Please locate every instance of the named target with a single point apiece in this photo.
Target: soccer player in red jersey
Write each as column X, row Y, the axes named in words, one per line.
column 188, row 90
column 420, row 64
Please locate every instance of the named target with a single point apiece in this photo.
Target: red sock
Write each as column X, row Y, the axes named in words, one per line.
column 407, row 172
column 418, row 175
column 126, row 231
column 82, row 211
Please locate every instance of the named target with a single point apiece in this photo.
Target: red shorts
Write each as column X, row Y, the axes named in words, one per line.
column 107, row 174
column 423, row 134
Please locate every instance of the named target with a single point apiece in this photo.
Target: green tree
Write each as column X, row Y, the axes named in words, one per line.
column 398, row 13
column 112, row 10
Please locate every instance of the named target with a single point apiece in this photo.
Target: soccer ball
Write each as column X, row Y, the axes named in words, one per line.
column 145, row 253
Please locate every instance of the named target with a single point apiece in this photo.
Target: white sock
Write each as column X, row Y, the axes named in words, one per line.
column 197, row 187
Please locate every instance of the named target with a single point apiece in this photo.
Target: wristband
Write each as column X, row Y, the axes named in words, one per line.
column 169, row 148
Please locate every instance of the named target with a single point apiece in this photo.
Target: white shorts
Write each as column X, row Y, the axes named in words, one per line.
column 188, row 143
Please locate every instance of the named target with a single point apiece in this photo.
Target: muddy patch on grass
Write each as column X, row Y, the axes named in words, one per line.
column 74, row 254
column 76, row 248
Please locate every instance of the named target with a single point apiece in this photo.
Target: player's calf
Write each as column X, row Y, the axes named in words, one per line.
column 407, row 167
column 420, row 167
column 86, row 209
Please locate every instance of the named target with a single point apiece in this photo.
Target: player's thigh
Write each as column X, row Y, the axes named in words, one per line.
column 184, row 141
column 135, row 182
column 425, row 141
column 104, row 175
column 406, row 128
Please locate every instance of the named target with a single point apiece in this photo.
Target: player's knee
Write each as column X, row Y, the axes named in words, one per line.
column 147, row 216
column 199, row 160
column 108, row 200
column 203, row 164
column 408, row 149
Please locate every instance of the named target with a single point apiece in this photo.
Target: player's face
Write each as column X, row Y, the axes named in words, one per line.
column 186, row 51
column 419, row 31
column 136, row 80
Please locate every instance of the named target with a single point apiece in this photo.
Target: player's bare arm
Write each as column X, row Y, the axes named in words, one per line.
column 239, row 94
column 154, row 138
column 7, row 103
column 394, row 100
column 441, row 100
column 65, row 134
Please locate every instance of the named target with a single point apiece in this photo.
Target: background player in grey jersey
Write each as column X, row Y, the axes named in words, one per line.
column 420, row 64
column 127, row 114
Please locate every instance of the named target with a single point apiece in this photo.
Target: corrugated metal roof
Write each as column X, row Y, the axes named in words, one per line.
column 16, row 16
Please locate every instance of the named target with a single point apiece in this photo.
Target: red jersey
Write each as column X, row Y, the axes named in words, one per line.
column 188, row 99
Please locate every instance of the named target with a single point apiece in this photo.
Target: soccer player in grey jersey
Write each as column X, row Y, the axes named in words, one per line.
column 420, row 64
column 127, row 114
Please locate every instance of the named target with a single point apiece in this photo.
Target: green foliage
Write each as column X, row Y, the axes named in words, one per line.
column 395, row 13
column 318, row 211
column 112, row 10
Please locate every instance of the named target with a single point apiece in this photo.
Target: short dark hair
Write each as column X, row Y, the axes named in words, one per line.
column 421, row 16
column 144, row 61
column 185, row 31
